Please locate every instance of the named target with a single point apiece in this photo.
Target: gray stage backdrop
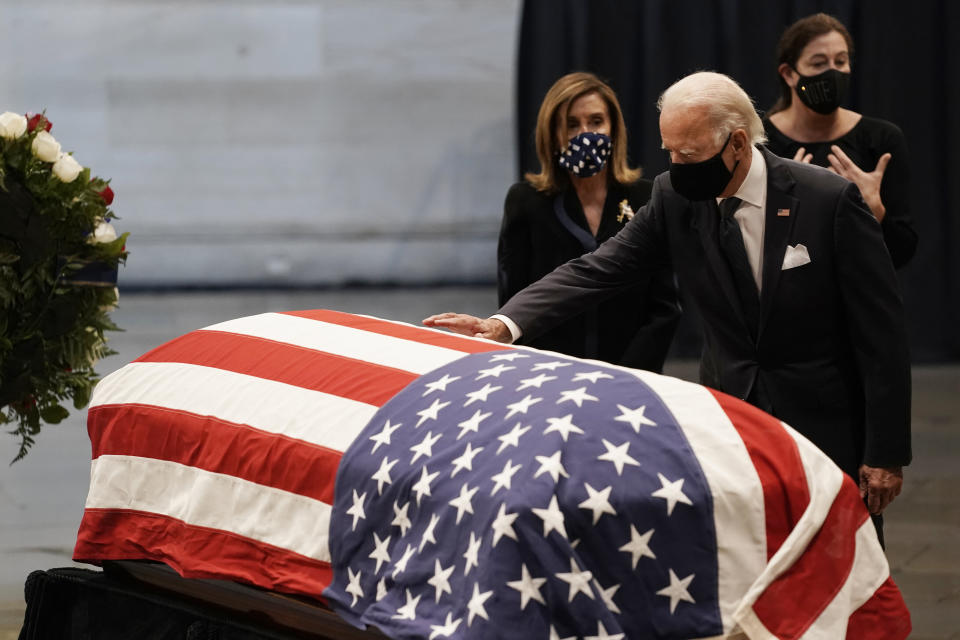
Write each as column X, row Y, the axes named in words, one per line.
column 281, row 143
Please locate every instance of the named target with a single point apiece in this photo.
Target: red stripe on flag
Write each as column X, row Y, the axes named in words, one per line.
column 883, row 617
column 196, row 552
column 775, row 457
column 291, row 364
column 406, row 332
column 216, row 445
column 798, row 596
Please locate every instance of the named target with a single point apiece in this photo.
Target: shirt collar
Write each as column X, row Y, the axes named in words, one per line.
column 754, row 188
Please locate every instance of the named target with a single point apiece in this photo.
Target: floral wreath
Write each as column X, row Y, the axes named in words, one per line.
column 59, row 257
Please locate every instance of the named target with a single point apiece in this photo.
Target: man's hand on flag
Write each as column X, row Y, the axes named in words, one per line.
column 489, row 328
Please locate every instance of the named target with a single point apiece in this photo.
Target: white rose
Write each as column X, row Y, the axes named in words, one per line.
column 12, row 125
column 66, row 168
column 46, row 147
column 104, row 233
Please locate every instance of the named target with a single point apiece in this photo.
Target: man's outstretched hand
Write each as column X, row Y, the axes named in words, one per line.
column 488, row 328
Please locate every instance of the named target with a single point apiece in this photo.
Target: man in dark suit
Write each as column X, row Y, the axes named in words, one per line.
column 800, row 304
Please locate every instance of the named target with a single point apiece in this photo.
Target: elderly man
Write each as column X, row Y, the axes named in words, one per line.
column 801, row 311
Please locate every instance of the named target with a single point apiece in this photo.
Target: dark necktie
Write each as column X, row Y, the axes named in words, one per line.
column 731, row 245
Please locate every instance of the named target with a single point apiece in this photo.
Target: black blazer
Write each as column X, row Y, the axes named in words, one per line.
column 831, row 354
column 634, row 328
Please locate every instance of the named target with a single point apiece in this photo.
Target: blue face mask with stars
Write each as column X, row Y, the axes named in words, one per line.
column 586, row 154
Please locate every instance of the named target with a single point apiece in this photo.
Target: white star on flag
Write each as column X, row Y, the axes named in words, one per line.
column 603, row 635
column 528, row 587
column 639, row 545
column 493, row 372
column 564, row 426
column 353, row 585
column 535, row 382
column 384, row 436
column 509, row 357
column 400, row 518
column 422, row 487
column 578, row 396
column 439, row 385
column 428, row 535
column 465, row 459
column 551, row 465
column 672, row 492
column 511, row 439
column 552, row 518
column 380, row 553
column 472, row 555
column 409, row 610
column 607, row 595
column 475, row 606
column 401, row 566
column 550, row 366
column 503, row 525
column 446, row 629
column 521, row 406
column 617, row 455
column 634, row 417
column 579, row 581
column 356, row 510
column 472, row 423
column 592, row 376
column 381, row 589
column 480, row 395
column 677, row 590
column 382, row 476
column 598, row 502
column 502, row 479
column 425, row 448
column 441, row 579
column 462, row 502
column 430, row 413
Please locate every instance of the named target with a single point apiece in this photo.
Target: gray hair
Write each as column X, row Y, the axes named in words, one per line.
column 728, row 106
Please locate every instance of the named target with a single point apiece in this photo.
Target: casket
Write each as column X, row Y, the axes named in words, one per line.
column 353, row 470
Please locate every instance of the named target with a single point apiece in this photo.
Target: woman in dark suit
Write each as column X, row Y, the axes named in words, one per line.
column 584, row 194
column 808, row 124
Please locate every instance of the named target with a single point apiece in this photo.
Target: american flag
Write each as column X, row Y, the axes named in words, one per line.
column 485, row 491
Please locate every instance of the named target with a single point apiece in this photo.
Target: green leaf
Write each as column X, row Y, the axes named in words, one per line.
column 52, row 414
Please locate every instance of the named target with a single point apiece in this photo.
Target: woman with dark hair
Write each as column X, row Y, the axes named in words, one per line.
column 808, row 124
column 584, row 193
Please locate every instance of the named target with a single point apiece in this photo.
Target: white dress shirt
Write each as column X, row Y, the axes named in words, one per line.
column 749, row 215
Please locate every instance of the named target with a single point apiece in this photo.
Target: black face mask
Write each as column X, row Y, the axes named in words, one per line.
column 823, row 92
column 702, row 180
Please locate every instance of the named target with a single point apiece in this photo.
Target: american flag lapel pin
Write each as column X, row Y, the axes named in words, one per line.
column 783, row 213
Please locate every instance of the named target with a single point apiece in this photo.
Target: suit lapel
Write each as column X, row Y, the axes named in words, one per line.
column 781, row 211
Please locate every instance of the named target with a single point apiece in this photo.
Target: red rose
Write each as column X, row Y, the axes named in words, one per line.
column 107, row 195
column 37, row 120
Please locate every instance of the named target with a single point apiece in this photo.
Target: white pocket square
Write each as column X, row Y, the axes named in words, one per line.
column 796, row 256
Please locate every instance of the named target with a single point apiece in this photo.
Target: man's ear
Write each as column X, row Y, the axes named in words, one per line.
column 739, row 140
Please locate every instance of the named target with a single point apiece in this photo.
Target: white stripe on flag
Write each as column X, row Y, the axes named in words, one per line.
column 737, row 493
column 214, row 500
column 276, row 407
column 406, row 355
column 869, row 571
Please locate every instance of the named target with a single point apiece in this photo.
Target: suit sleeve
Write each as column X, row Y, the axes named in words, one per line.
column 513, row 247
column 877, row 332
column 898, row 232
column 627, row 259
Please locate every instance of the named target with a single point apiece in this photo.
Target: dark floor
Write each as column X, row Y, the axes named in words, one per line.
column 41, row 497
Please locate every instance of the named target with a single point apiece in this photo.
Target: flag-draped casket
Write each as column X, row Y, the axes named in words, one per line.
column 439, row 486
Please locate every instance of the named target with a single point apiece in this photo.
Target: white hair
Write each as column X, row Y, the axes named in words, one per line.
column 728, row 106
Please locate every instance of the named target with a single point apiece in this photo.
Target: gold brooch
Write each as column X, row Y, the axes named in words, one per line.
column 625, row 211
